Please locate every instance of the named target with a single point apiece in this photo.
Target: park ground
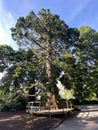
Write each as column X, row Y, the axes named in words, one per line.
column 86, row 119
column 22, row 121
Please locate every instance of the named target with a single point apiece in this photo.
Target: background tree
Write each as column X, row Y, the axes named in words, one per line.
column 80, row 65
column 6, row 56
column 20, row 71
column 86, row 59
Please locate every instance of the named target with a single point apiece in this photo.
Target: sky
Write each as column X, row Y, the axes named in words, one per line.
column 75, row 13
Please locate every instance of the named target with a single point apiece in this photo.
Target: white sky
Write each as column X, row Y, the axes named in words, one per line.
column 1, row 74
column 6, row 22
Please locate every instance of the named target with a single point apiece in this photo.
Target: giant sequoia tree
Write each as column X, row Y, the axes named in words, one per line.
column 49, row 36
column 48, row 47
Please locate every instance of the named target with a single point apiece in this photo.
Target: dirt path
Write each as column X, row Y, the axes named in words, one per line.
column 87, row 119
column 22, row 121
column 12, row 121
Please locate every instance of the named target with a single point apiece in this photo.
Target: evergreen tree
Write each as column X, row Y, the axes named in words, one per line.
column 50, row 36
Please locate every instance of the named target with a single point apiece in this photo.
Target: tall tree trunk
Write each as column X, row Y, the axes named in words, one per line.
column 51, row 98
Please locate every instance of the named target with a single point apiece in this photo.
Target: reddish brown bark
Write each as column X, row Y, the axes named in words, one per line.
column 51, row 100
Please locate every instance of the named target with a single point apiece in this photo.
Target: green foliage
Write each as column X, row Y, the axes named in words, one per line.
column 45, row 40
column 6, row 56
column 68, row 94
column 12, row 101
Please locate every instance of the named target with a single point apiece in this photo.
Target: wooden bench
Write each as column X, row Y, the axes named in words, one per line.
column 33, row 106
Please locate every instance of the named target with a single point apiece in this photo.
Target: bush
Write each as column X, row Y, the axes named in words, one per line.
column 13, row 102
